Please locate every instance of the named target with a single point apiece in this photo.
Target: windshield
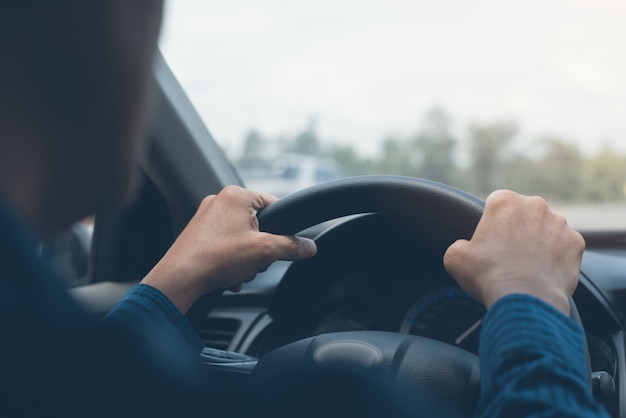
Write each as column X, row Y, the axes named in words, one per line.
column 523, row 94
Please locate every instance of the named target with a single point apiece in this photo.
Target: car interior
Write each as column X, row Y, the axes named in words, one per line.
column 378, row 272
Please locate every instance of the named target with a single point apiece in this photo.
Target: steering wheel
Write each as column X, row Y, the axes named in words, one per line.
column 392, row 372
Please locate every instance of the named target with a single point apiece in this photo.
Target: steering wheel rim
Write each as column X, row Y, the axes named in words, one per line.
column 427, row 207
column 393, row 195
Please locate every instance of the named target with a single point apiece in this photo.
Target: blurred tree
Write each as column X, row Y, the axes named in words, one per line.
column 488, row 146
column 396, row 158
column 518, row 174
column 561, row 172
column 605, row 176
column 253, row 143
column 307, row 141
column 435, row 146
column 350, row 162
column 558, row 174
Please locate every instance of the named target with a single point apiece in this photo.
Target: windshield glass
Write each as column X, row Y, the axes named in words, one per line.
column 523, row 94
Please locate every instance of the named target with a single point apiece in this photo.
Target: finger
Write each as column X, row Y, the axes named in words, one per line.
column 453, row 257
column 501, row 195
column 206, row 201
column 248, row 199
column 293, row 248
column 266, row 199
column 236, row 289
column 578, row 241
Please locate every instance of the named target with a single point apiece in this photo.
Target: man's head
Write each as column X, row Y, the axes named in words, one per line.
column 73, row 91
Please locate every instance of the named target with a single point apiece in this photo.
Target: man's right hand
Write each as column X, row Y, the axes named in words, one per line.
column 221, row 248
column 519, row 246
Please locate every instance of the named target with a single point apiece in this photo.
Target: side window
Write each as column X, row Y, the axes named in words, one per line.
column 70, row 252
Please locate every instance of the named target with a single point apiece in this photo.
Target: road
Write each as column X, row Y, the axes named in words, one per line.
column 600, row 216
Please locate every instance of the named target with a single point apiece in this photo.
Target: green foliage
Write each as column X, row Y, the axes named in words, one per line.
column 350, row 161
column 488, row 149
column 604, row 177
column 307, row 141
column 396, row 158
column 435, row 146
column 559, row 174
column 253, row 143
column 552, row 167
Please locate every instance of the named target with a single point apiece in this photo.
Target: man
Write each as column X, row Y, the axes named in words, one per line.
column 73, row 91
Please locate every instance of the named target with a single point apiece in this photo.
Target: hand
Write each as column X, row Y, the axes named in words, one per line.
column 221, row 248
column 519, row 246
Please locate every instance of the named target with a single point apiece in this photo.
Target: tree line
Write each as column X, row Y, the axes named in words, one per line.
column 553, row 167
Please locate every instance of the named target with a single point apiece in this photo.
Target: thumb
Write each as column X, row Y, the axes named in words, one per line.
column 293, row 247
column 453, row 259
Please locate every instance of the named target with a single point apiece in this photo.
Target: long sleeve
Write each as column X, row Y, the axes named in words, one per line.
column 149, row 310
column 532, row 362
column 57, row 360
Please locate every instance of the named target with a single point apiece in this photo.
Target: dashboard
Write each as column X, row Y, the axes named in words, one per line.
column 371, row 274
column 446, row 314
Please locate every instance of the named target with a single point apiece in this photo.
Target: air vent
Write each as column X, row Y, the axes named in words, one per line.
column 219, row 332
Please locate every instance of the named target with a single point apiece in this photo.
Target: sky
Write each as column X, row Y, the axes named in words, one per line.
column 370, row 69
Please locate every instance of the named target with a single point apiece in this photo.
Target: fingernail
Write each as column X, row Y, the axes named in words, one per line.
column 308, row 245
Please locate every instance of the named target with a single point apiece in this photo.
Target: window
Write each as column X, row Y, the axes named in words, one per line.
column 479, row 94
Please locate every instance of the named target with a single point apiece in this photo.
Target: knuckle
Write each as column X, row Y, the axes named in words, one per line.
column 242, row 196
column 538, row 202
column 448, row 260
column 207, row 200
column 231, row 191
column 560, row 220
column 451, row 257
column 263, row 266
column 578, row 240
column 500, row 197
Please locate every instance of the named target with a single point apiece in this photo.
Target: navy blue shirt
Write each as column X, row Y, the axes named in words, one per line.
column 532, row 363
column 146, row 309
column 57, row 360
